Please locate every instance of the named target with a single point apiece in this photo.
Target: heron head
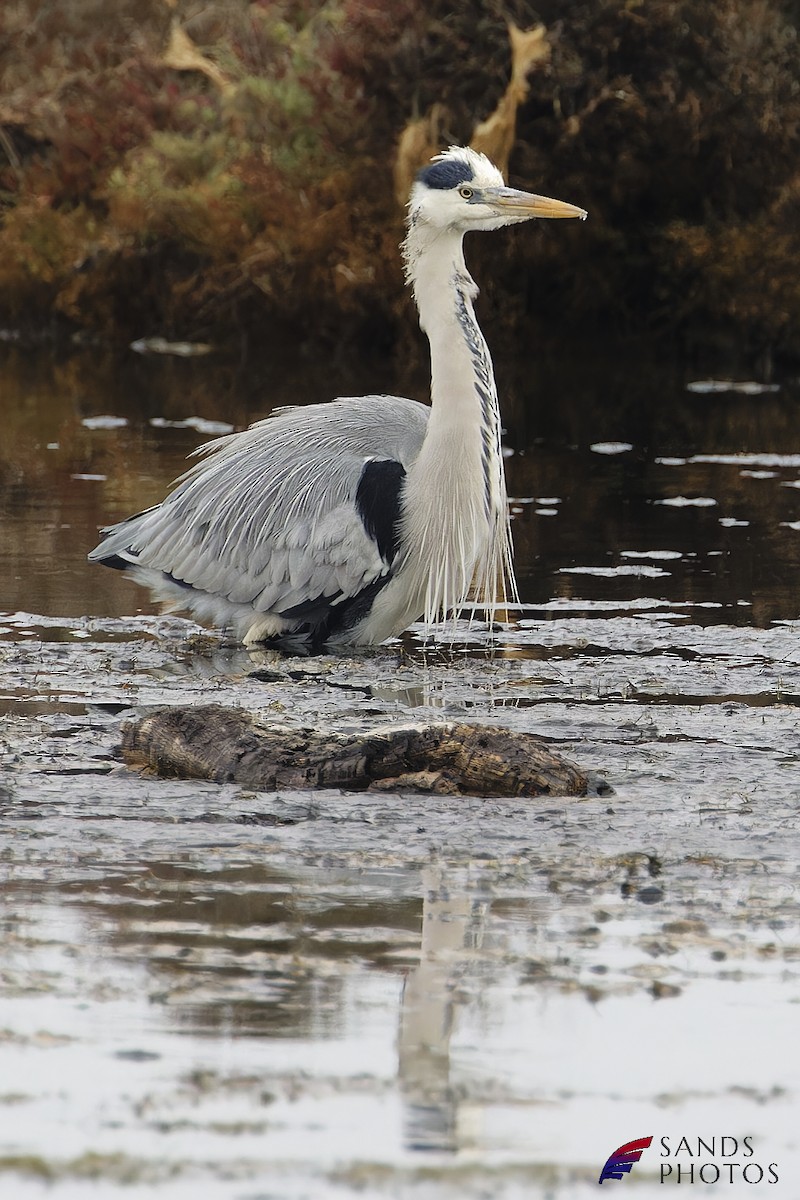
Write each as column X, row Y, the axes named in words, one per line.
column 462, row 190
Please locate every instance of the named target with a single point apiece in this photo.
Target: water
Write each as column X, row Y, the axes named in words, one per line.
column 702, row 507
column 217, row 992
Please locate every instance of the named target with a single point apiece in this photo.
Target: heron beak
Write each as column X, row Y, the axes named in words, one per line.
column 510, row 202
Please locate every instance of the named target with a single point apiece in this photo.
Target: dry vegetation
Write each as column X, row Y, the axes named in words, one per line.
column 206, row 170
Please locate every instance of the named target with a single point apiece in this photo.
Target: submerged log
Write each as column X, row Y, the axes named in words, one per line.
column 230, row 745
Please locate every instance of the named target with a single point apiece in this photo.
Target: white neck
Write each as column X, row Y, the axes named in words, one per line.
column 444, row 292
column 456, row 509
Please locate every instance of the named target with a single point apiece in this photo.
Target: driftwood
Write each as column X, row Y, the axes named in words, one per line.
column 231, row 745
column 494, row 137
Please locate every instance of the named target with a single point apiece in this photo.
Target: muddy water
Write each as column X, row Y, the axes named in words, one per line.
column 212, row 992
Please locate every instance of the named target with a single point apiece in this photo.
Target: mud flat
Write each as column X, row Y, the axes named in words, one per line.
column 210, row 990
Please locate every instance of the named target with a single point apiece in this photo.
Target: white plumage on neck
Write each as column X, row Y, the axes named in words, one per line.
column 456, row 530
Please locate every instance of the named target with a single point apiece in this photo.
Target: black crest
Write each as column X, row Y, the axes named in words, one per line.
column 446, row 174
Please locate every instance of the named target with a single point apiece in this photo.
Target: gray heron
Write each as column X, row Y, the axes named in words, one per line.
column 344, row 522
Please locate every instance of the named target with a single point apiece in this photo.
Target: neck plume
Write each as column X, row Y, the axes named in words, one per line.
column 456, row 508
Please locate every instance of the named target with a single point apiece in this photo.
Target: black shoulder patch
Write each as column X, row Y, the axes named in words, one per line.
column 447, row 174
column 378, row 503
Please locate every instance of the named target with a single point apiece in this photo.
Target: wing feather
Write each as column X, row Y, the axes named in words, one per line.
column 267, row 517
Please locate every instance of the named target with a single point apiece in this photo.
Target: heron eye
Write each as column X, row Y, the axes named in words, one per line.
column 466, row 193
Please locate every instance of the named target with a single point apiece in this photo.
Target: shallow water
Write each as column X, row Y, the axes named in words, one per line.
column 215, row 992
column 632, row 486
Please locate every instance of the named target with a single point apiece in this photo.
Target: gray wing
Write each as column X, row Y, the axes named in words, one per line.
column 268, row 517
